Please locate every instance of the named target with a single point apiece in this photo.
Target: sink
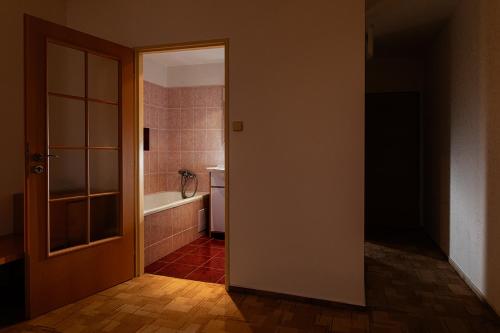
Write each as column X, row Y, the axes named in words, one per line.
column 216, row 168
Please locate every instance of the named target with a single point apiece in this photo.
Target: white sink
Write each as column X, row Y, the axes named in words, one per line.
column 216, row 168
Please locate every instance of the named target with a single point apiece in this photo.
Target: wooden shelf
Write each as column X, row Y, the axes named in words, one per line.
column 11, row 248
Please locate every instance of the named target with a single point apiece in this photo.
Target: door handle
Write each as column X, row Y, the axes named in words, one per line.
column 38, row 157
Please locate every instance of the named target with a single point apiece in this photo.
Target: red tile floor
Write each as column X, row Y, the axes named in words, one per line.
column 200, row 260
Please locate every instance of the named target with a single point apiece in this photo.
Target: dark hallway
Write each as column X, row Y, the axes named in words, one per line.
column 411, row 287
column 393, row 160
column 429, row 217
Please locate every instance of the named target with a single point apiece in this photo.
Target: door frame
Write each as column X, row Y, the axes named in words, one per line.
column 139, row 137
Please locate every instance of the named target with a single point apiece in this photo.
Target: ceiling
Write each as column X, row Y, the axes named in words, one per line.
column 213, row 55
column 406, row 24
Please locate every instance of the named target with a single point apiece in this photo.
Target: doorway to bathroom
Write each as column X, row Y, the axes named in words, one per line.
column 182, row 102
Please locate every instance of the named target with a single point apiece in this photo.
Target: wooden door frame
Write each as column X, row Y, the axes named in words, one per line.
column 139, row 91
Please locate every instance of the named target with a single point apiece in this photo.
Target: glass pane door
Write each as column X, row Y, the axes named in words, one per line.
column 83, row 147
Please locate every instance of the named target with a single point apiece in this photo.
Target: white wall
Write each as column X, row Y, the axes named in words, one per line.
column 466, row 55
column 12, row 95
column 184, row 76
column 154, row 72
column 195, row 75
column 297, row 82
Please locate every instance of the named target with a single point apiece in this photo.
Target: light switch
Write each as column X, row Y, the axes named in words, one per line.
column 237, row 126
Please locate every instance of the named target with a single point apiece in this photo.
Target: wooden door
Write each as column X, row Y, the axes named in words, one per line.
column 393, row 160
column 79, row 95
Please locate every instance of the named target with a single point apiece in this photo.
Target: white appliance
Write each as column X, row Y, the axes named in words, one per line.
column 217, row 211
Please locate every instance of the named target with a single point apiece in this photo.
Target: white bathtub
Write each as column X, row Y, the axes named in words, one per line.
column 157, row 202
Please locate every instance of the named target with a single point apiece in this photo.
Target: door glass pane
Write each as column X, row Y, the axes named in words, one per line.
column 67, row 172
column 68, row 224
column 65, row 70
column 75, row 169
column 103, row 125
column 104, row 171
column 103, row 78
column 66, row 122
column 104, row 217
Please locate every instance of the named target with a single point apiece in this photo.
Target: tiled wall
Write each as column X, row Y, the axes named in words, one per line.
column 186, row 132
column 170, row 229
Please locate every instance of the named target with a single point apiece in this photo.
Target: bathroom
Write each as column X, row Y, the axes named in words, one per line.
column 184, row 163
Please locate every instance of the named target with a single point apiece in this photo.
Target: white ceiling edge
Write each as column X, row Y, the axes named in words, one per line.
column 184, row 76
column 196, row 75
column 203, row 56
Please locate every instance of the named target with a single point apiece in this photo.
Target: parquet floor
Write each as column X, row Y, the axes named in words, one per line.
column 410, row 288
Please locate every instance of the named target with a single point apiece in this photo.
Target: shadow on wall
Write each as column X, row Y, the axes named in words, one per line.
column 436, row 140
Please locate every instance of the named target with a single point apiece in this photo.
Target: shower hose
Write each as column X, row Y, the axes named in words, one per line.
column 185, row 178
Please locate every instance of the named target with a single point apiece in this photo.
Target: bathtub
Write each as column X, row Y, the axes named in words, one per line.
column 156, row 202
column 171, row 222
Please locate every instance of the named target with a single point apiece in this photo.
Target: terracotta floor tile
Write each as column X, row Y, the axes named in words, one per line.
column 206, row 274
column 176, row 270
column 194, row 260
column 196, row 254
column 172, row 257
column 186, row 249
column 154, row 267
column 217, row 243
column 216, row 262
column 200, row 241
column 207, row 251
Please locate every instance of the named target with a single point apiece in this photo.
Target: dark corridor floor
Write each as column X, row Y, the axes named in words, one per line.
column 411, row 287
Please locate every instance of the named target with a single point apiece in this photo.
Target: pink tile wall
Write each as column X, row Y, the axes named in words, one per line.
column 186, row 132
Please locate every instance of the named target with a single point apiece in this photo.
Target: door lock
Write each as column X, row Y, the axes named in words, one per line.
column 38, row 169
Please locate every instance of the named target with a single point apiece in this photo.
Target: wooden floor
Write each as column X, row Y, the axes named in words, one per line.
column 410, row 288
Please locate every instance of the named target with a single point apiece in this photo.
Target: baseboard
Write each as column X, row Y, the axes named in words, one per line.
column 471, row 285
column 218, row 235
column 302, row 299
